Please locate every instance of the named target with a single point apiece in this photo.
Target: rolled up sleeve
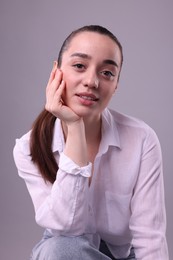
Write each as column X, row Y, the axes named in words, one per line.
column 62, row 206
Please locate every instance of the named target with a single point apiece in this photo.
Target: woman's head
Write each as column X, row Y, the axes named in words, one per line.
column 91, row 60
column 89, row 28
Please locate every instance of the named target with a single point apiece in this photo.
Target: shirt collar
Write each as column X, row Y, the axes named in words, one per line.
column 110, row 135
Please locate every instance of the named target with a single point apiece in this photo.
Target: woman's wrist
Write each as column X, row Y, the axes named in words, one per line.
column 76, row 146
column 75, row 124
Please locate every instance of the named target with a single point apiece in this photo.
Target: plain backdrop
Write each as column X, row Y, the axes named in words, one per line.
column 31, row 33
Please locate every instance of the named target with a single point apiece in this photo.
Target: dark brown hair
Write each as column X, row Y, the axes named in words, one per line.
column 43, row 127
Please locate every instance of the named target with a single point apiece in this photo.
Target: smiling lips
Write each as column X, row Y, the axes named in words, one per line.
column 87, row 96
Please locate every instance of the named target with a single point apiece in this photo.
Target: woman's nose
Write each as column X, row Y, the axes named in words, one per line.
column 91, row 80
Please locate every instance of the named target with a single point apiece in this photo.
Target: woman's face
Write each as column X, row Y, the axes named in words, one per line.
column 90, row 66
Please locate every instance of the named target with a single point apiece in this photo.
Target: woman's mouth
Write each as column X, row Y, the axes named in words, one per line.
column 87, row 99
column 87, row 96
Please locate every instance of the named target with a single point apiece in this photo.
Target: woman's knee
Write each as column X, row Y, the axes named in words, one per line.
column 59, row 248
column 65, row 248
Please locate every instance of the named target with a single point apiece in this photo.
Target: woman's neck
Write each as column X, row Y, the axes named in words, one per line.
column 93, row 131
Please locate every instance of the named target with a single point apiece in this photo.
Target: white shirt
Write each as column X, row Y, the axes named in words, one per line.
column 124, row 205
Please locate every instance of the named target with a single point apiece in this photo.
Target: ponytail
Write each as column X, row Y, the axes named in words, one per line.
column 41, row 145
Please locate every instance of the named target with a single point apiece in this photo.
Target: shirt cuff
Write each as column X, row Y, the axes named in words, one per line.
column 69, row 166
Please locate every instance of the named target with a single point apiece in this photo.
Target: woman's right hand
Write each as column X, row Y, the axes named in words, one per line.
column 75, row 147
column 54, row 102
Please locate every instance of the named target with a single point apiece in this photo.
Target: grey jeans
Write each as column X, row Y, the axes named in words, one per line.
column 70, row 248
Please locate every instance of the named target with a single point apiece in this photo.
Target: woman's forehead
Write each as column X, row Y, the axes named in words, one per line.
column 93, row 43
column 91, row 38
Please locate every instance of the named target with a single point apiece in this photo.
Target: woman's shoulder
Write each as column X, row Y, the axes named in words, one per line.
column 22, row 144
column 129, row 124
column 126, row 120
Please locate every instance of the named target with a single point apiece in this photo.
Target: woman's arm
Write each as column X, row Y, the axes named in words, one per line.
column 62, row 206
column 148, row 221
column 73, row 125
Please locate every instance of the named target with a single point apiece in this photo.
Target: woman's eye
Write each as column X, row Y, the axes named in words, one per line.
column 78, row 66
column 108, row 73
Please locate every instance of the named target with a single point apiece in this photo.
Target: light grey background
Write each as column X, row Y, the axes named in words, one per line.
column 31, row 33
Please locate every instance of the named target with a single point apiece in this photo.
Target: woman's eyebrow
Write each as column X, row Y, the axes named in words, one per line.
column 81, row 55
column 111, row 62
column 86, row 56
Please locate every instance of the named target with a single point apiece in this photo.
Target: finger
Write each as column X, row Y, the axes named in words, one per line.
column 54, row 84
column 51, row 89
column 52, row 74
column 59, row 92
column 55, row 89
column 61, row 88
column 55, row 101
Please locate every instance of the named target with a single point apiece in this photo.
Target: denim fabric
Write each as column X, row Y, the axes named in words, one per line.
column 68, row 248
column 105, row 250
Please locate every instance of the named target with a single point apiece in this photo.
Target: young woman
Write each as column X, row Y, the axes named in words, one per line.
column 94, row 175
